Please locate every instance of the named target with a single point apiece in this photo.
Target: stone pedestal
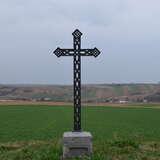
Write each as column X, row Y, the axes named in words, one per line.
column 77, row 144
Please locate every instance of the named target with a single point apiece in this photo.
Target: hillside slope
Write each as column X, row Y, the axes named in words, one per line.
column 90, row 93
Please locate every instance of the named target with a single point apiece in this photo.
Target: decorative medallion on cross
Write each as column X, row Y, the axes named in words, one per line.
column 77, row 52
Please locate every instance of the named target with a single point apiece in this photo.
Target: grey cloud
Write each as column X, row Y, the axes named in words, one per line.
column 126, row 31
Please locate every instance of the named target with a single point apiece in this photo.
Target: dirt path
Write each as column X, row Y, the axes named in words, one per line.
column 149, row 105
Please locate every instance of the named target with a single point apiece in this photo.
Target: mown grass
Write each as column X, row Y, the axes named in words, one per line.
column 34, row 132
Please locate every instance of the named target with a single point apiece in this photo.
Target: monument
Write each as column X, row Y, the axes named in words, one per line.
column 77, row 143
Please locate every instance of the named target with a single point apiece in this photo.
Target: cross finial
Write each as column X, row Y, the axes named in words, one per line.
column 77, row 33
column 58, row 52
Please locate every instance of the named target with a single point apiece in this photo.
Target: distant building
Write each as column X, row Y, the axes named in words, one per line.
column 145, row 100
column 123, row 101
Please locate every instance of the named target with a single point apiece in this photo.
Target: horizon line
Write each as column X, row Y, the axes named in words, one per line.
column 56, row 84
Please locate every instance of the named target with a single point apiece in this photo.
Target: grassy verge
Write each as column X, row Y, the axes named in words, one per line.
column 117, row 149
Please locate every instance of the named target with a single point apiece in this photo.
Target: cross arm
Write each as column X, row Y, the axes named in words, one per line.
column 63, row 52
column 90, row 52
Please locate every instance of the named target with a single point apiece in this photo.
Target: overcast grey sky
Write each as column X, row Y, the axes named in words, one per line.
column 126, row 31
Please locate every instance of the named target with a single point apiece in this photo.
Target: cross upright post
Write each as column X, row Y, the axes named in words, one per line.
column 77, row 80
column 77, row 52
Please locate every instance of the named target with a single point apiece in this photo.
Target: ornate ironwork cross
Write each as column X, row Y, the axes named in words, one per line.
column 77, row 52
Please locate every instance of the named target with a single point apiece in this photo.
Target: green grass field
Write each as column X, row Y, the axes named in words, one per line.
column 34, row 132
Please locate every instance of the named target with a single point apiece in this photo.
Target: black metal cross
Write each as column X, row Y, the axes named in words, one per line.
column 77, row 52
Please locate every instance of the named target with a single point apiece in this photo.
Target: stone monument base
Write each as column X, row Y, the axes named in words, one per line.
column 77, row 144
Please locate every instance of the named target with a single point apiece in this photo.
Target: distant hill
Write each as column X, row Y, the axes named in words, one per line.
column 90, row 93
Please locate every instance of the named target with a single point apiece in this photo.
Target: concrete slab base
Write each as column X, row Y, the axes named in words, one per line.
column 77, row 144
